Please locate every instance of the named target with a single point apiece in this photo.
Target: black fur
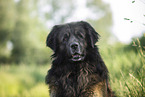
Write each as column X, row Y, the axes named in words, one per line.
column 75, row 78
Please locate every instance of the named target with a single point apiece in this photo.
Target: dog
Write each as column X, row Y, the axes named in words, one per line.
column 77, row 69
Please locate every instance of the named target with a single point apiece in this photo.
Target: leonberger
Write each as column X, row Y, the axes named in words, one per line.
column 77, row 69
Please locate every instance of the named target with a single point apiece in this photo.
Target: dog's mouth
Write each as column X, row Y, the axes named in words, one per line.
column 77, row 57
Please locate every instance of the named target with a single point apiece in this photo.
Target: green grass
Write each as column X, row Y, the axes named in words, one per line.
column 126, row 67
column 127, row 71
column 23, row 81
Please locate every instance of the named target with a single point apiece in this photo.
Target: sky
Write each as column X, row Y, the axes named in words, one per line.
column 123, row 29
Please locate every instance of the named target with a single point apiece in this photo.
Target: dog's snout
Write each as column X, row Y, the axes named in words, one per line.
column 74, row 45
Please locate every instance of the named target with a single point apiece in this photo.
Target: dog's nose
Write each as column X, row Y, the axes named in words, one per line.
column 74, row 45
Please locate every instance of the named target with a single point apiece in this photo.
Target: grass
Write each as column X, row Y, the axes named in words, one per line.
column 127, row 71
column 127, row 75
column 23, row 81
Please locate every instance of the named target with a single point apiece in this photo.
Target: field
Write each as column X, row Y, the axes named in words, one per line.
column 126, row 67
column 23, row 81
column 24, row 56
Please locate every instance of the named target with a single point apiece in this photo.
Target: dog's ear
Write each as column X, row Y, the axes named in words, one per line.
column 92, row 35
column 51, row 38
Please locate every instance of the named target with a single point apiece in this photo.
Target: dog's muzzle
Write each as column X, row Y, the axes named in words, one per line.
column 76, row 52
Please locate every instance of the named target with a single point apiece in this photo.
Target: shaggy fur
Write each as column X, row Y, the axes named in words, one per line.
column 87, row 77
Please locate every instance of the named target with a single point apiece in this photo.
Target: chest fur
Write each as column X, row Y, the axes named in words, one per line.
column 76, row 83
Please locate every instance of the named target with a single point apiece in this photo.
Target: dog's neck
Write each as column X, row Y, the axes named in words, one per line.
column 77, row 76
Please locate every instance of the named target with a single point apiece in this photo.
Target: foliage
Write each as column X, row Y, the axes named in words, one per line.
column 104, row 21
column 7, row 22
column 23, row 27
column 22, row 41
column 137, row 42
column 127, row 69
column 22, row 34
column 23, row 81
column 58, row 13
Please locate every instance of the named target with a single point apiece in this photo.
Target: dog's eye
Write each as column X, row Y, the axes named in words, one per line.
column 65, row 38
column 80, row 35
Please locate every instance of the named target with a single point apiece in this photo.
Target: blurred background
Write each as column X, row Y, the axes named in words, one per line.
column 25, row 59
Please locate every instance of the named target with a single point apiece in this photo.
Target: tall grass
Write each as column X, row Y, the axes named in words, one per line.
column 127, row 70
column 126, row 67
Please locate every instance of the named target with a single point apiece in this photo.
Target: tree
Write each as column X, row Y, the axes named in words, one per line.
column 59, row 12
column 104, row 22
column 27, row 34
column 7, row 23
column 23, row 23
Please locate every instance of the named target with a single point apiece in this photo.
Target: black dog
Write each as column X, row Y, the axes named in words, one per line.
column 77, row 69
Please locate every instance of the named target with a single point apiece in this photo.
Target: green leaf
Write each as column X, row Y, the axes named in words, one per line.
column 126, row 19
column 133, row 1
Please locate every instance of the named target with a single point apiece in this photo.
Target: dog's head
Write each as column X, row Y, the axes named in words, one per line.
column 72, row 40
